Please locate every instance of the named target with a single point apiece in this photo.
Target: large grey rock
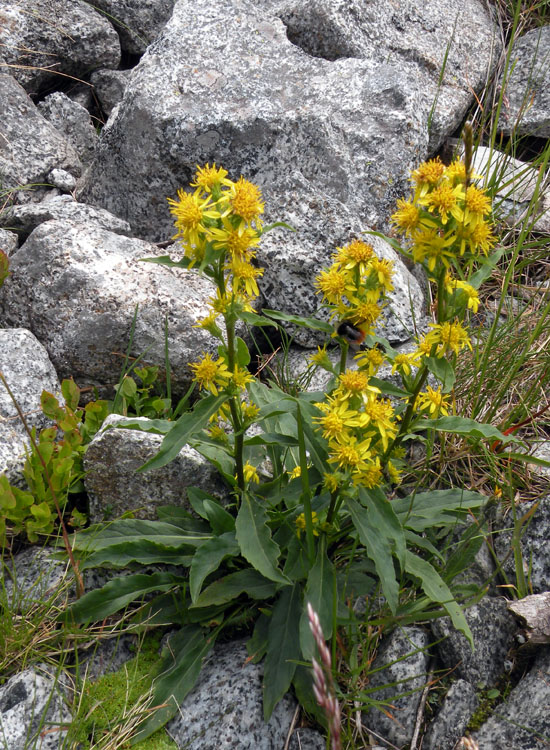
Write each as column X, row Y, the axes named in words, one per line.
column 522, row 722
column 114, row 486
column 23, row 219
column 526, row 100
column 520, row 191
column 534, row 546
column 73, row 121
column 30, row 147
column 405, row 652
column 138, row 22
column 224, row 710
column 28, row 371
column 33, row 715
column 76, row 286
column 44, row 40
column 450, row 723
column 109, row 87
column 225, row 83
column 493, row 629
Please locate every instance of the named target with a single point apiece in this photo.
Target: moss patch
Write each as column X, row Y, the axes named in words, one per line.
column 111, row 705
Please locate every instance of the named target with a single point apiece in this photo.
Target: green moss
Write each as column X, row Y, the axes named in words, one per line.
column 107, row 705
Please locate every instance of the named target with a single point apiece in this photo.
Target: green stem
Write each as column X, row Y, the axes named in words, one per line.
column 306, row 494
column 234, row 407
column 405, row 422
column 344, row 347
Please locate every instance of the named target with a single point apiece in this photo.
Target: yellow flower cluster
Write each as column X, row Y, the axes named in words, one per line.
column 447, row 217
column 220, row 223
column 219, row 227
column 359, row 426
column 355, row 284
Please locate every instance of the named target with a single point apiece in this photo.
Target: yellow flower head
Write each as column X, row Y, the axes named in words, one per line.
column 428, row 174
column 371, row 476
column 365, row 312
column 449, row 337
column 356, row 254
column 384, row 271
column 244, row 277
column 482, row 237
column 250, row 473
column 404, row 362
column 370, row 360
column 333, row 284
column 443, row 199
column 353, row 455
column 295, row 473
column 353, row 383
column 246, row 201
column 238, row 241
column 321, row 359
column 191, row 211
column 241, row 377
column 301, row 523
column 209, row 177
column 429, row 244
column 210, row 374
column 407, row 217
column 433, row 401
column 250, row 411
column 379, row 414
column 338, row 419
column 332, row 481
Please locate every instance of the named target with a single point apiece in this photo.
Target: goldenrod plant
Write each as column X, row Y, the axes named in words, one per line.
column 312, row 517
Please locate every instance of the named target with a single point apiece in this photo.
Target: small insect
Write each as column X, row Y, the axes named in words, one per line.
column 353, row 335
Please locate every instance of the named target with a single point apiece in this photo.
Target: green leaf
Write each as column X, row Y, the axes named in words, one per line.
column 379, row 550
column 243, row 355
column 299, row 320
column 229, row 587
column 186, row 426
column 211, row 510
column 117, row 594
column 144, row 552
column 388, row 388
column 181, row 668
column 303, row 686
column 483, row 273
column 218, row 456
column 254, row 538
column 135, row 530
column 443, row 371
column 283, row 649
column 269, row 227
column 271, row 438
column 437, row 590
column 469, row 427
column 257, row 644
column 208, row 558
column 320, row 594
column 156, row 426
column 383, row 517
column 253, row 319
column 166, row 260
column 425, row 510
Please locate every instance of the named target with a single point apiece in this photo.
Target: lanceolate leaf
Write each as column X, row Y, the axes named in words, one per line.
column 144, row 552
column 156, row 426
column 283, row 650
column 317, row 325
column 187, row 649
column 438, row 591
column 135, row 530
column 470, row 428
column 379, row 550
column 185, row 427
column 254, row 538
column 208, row 558
column 383, row 517
column 435, row 507
column 443, row 371
column 233, row 585
column 320, row 589
column 117, row 594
